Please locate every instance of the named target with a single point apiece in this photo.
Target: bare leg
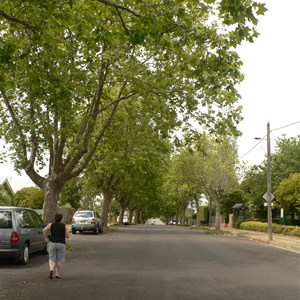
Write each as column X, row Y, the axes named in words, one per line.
column 51, row 266
column 58, row 267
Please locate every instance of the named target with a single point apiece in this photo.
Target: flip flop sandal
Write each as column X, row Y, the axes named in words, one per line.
column 51, row 275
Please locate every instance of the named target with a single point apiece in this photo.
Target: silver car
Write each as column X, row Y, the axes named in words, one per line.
column 86, row 220
column 21, row 233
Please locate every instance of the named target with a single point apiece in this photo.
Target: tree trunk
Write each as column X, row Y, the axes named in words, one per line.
column 142, row 218
column 183, row 216
column 218, row 214
column 108, row 196
column 130, row 215
column 210, row 212
column 197, row 213
column 51, row 191
column 136, row 216
column 121, row 215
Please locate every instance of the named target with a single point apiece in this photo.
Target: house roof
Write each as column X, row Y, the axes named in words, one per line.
column 238, row 206
column 5, row 183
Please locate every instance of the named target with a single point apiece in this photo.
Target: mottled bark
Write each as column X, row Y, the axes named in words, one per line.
column 210, row 211
column 52, row 190
column 218, row 213
column 130, row 216
column 108, row 196
column 135, row 218
column 121, row 215
column 197, row 213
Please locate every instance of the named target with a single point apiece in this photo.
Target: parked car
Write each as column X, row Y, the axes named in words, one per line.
column 21, row 232
column 86, row 220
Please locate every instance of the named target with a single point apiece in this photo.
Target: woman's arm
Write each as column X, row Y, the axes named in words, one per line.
column 67, row 233
column 46, row 232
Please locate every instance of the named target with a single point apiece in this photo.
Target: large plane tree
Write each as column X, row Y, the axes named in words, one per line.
column 66, row 65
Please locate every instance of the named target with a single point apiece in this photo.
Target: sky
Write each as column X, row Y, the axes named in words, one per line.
column 269, row 92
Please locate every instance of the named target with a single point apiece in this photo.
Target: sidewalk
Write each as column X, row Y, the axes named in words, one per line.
column 291, row 243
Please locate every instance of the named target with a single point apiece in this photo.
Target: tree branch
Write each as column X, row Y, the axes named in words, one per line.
column 34, row 139
column 93, row 111
column 123, row 23
column 15, row 123
column 82, row 166
column 6, row 16
column 91, row 152
column 34, row 176
column 129, row 95
column 109, row 3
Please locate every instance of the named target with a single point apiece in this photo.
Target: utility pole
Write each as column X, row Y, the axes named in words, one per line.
column 269, row 192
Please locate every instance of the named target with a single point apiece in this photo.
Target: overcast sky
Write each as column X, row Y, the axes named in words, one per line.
column 270, row 90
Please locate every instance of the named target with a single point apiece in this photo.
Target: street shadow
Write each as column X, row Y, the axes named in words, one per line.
column 35, row 260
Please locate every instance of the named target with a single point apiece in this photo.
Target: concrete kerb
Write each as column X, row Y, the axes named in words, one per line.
column 291, row 243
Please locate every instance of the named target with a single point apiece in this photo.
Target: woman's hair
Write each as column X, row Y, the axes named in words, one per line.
column 58, row 217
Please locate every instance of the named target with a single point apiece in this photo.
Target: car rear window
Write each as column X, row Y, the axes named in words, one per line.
column 84, row 214
column 29, row 219
column 5, row 219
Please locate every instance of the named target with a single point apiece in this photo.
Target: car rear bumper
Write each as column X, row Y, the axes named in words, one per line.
column 84, row 227
column 6, row 253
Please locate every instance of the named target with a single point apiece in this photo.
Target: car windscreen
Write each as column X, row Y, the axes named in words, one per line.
column 84, row 214
column 5, row 219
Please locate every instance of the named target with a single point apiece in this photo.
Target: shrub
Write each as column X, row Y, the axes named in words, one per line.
column 263, row 227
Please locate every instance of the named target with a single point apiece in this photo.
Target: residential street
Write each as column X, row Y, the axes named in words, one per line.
column 158, row 262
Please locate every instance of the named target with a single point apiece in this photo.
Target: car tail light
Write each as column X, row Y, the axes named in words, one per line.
column 73, row 221
column 93, row 221
column 14, row 238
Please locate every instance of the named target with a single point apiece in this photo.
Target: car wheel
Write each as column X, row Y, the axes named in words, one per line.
column 74, row 231
column 96, row 230
column 24, row 256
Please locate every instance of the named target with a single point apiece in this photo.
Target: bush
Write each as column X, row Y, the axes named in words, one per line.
column 277, row 228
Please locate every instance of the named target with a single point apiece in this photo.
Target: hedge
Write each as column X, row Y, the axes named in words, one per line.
column 276, row 228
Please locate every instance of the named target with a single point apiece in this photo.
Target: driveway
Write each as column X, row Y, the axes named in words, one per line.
column 159, row 262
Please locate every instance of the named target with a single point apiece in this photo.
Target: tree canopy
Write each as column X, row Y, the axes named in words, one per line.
column 65, row 66
column 285, row 159
column 288, row 194
column 29, row 197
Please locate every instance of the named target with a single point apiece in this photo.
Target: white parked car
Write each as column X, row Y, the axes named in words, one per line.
column 86, row 220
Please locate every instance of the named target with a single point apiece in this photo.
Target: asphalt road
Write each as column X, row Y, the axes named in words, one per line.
column 158, row 263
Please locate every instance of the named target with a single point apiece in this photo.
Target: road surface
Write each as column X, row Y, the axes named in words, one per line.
column 158, row 263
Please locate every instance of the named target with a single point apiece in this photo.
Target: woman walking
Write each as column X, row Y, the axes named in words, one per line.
column 56, row 233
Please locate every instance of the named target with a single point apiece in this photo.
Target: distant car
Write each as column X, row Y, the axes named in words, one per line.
column 21, row 232
column 86, row 220
column 125, row 220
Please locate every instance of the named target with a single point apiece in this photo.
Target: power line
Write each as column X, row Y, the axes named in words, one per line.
column 285, row 126
column 253, row 147
column 266, row 136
